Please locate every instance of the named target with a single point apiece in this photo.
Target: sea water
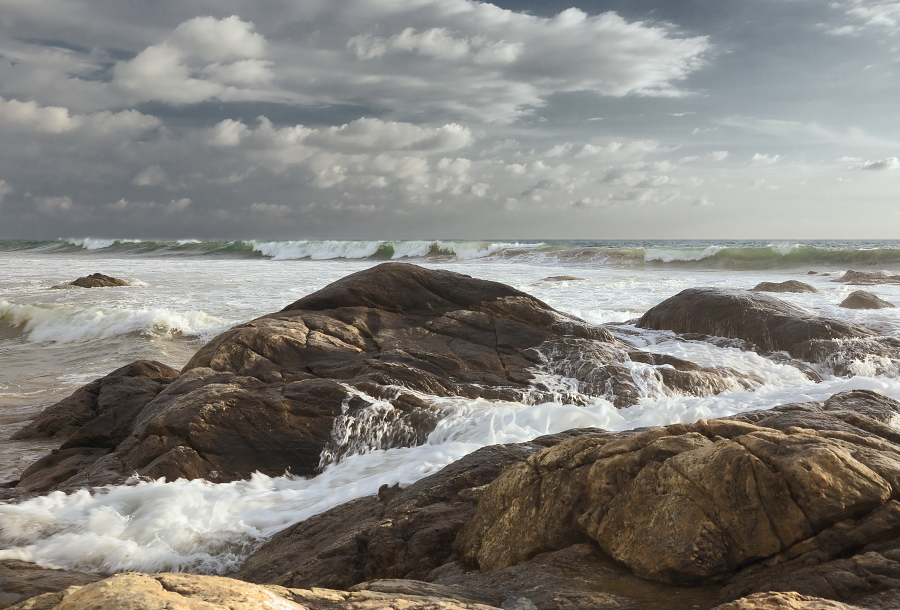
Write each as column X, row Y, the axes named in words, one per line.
column 182, row 293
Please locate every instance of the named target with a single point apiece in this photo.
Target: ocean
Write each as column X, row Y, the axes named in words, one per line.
column 54, row 339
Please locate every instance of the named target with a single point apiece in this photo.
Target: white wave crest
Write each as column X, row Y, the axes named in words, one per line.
column 668, row 255
column 316, row 250
column 784, row 249
column 72, row 324
column 91, row 243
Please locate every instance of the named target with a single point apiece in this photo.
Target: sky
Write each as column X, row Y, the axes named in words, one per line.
column 421, row 119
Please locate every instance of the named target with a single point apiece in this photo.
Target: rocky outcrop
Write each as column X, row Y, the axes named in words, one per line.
column 20, row 580
column 769, row 324
column 98, row 280
column 788, row 286
column 861, row 299
column 361, row 355
column 867, row 278
column 192, row 592
column 802, row 497
column 562, row 278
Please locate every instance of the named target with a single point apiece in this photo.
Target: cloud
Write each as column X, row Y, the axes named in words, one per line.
column 53, row 205
column 804, row 132
column 762, row 159
column 204, row 58
column 888, row 163
column 5, row 190
column 150, row 176
column 29, row 116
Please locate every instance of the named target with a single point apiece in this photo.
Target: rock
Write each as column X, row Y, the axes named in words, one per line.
column 812, row 272
column 20, row 580
column 861, row 299
column 355, row 356
column 562, row 278
column 770, row 324
column 868, row 278
column 192, row 592
column 788, row 286
column 98, row 280
column 783, row 601
column 700, row 503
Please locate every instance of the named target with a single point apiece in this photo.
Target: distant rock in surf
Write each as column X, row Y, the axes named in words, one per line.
column 562, row 278
column 98, row 280
column 769, row 325
column 341, row 371
column 864, row 300
column 868, row 278
column 788, row 286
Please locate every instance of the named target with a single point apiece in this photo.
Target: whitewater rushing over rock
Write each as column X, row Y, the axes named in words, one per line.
column 343, row 415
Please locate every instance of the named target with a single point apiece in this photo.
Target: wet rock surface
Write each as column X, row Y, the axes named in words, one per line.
column 98, row 280
column 788, row 286
column 268, row 395
column 769, row 324
column 861, row 299
column 868, row 278
column 20, row 580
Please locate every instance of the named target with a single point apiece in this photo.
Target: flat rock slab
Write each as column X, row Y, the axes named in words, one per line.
column 193, row 592
column 788, row 286
column 861, row 299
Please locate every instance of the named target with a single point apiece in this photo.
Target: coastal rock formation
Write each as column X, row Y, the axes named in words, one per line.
column 788, row 286
column 562, row 278
column 769, row 324
column 861, row 299
column 868, row 278
column 98, row 280
column 20, row 580
column 360, row 356
column 798, row 498
column 192, row 592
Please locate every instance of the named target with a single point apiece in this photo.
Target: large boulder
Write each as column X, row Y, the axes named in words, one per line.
column 360, row 356
column 769, row 324
column 757, row 503
column 861, row 299
column 788, row 286
column 20, row 580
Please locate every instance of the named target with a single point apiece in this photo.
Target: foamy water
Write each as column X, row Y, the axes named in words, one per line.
column 52, row 341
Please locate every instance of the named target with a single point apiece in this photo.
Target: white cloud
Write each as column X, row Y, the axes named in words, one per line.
column 888, row 163
column 204, row 58
column 5, row 190
column 29, row 116
column 270, row 209
column 52, row 205
column 763, row 159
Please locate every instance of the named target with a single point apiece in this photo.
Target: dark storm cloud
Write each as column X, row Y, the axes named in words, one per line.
column 412, row 118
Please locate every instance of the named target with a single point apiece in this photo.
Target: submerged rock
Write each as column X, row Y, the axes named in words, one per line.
column 769, row 324
column 562, row 278
column 868, row 278
column 788, row 286
column 861, row 299
column 98, row 280
column 341, row 371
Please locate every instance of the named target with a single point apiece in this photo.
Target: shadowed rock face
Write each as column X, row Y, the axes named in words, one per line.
column 770, row 324
column 268, row 395
column 868, row 278
column 861, row 299
column 788, row 286
column 98, row 280
column 20, row 581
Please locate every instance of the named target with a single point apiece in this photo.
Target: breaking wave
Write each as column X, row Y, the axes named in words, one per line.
column 73, row 324
column 746, row 255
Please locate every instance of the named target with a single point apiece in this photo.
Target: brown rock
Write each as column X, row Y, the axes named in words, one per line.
column 266, row 395
column 693, row 503
column 769, row 324
column 192, row 592
column 98, row 280
column 868, row 278
column 783, row 601
column 562, row 278
column 788, row 286
column 20, row 580
column 861, row 299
